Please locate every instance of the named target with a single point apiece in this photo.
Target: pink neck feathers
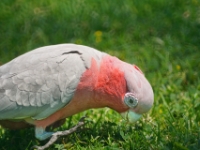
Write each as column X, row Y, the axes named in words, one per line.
column 106, row 85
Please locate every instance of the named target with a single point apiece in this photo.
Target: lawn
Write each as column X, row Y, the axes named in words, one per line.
column 162, row 37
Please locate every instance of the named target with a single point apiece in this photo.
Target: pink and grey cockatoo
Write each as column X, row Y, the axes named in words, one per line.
column 51, row 83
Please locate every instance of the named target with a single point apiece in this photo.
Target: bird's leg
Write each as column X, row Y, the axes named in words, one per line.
column 41, row 134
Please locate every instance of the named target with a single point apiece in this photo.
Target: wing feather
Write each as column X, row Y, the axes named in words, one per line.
column 11, row 94
column 32, row 99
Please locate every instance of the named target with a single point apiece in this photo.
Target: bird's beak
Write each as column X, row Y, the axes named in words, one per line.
column 131, row 116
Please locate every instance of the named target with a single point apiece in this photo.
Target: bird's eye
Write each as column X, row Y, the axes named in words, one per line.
column 130, row 100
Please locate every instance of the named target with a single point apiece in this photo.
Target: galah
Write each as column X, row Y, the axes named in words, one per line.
column 51, row 83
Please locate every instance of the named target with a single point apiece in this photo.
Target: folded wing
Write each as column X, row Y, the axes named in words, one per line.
column 42, row 81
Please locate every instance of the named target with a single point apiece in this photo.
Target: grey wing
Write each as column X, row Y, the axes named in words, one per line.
column 39, row 83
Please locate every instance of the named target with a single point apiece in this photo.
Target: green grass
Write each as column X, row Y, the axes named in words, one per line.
column 162, row 37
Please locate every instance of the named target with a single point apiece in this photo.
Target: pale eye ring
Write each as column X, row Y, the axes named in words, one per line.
column 130, row 100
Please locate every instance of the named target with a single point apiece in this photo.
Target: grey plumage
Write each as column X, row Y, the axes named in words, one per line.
column 42, row 81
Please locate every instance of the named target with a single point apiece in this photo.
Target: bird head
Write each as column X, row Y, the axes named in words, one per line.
column 119, row 86
column 139, row 96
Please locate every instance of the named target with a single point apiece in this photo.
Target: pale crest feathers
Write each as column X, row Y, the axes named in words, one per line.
column 42, row 81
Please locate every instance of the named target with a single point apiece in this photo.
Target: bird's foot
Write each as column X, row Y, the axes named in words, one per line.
column 42, row 134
